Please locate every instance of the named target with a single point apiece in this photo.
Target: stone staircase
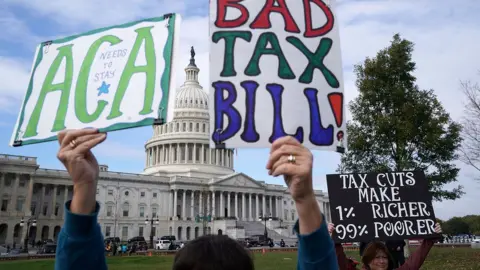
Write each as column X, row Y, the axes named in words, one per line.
column 258, row 228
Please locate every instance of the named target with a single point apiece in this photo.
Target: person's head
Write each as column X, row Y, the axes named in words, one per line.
column 377, row 257
column 213, row 252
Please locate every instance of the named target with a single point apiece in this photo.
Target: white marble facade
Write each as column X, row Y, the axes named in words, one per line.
column 183, row 179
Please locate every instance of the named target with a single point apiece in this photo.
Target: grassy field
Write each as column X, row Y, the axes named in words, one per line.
column 439, row 258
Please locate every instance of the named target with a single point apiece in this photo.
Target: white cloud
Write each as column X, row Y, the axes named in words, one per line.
column 114, row 150
column 78, row 13
column 15, row 30
column 14, row 77
column 445, row 33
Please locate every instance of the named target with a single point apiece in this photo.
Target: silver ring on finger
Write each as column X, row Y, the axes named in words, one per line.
column 291, row 159
column 73, row 144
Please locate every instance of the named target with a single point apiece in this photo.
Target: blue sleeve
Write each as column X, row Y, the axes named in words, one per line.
column 316, row 250
column 80, row 242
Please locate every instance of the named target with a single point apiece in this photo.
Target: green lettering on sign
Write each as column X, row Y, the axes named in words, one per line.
column 315, row 61
column 253, row 68
column 82, row 82
column 229, row 57
column 64, row 53
column 143, row 36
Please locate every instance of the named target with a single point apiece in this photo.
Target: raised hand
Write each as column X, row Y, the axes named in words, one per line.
column 289, row 158
column 76, row 155
column 331, row 228
column 292, row 160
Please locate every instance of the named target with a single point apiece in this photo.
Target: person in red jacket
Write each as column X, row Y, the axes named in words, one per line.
column 377, row 257
column 344, row 263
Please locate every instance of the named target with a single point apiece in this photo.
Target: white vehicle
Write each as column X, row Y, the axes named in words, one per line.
column 162, row 244
column 476, row 239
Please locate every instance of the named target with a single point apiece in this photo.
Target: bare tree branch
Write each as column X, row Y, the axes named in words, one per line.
column 470, row 149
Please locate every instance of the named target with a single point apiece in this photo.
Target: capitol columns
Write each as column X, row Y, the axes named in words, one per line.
column 200, row 210
column 186, row 153
column 257, row 203
column 65, row 199
column 12, row 206
column 177, row 161
column 228, row 205
column 2, row 180
column 42, row 199
column 282, row 211
column 243, row 207
column 175, row 197
column 54, row 201
column 170, row 205
column 264, row 205
column 28, row 210
column 271, row 206
column 222, row 209
column 250, row 214
column 184, row 202
column 194, row 158
column 192, row 204
column 28, row 201
column 213, row 205
column 209, row 201
column 236, row 205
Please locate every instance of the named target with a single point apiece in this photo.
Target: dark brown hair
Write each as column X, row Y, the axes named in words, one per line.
column 213, row 252
column 371, row 252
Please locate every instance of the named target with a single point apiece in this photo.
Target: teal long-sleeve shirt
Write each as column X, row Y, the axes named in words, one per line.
column 80, row 245
column 80, row 242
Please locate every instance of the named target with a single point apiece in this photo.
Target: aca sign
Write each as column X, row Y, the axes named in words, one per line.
column 112, row 78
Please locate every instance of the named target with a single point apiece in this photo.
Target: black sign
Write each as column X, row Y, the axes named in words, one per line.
column 380, row 206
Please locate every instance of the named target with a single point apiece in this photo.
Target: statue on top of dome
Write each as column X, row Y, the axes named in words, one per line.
column 192, row 59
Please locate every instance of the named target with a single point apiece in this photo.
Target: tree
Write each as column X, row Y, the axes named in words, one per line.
column 397, row 127
column 473, row 222
column 455, row 226
column 470, row 150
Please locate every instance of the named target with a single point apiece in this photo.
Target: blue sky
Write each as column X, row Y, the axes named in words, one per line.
column 446, row 35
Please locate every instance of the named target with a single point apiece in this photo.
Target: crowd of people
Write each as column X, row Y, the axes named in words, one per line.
column 81, row 246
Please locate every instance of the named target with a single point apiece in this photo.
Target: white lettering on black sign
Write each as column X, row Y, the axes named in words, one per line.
column 380, row 206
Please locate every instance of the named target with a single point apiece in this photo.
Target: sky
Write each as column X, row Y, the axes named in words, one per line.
column 445, row 33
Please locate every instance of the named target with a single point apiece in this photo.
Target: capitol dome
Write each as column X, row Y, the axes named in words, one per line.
column 191, row 93
column 181, row 147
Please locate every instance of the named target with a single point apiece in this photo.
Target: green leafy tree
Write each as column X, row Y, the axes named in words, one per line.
column 455, row 225
column 398, row 127
column 473, row 222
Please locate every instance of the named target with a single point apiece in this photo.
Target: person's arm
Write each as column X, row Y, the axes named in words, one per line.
column 341, row 256
column 418, row 257
column 80, row 242
column 315, row 246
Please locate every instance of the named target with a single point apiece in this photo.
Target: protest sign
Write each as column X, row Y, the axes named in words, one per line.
column 275, row 70
column 382, row 206
column 112, row 78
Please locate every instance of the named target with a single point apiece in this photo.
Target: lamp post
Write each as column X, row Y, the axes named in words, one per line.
column 265, row 218
column 151, row 221
column 30, row 222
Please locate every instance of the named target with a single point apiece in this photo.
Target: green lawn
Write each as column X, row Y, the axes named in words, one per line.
column 439, row 258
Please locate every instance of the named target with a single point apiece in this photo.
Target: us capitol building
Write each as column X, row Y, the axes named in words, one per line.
column 187, row 188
